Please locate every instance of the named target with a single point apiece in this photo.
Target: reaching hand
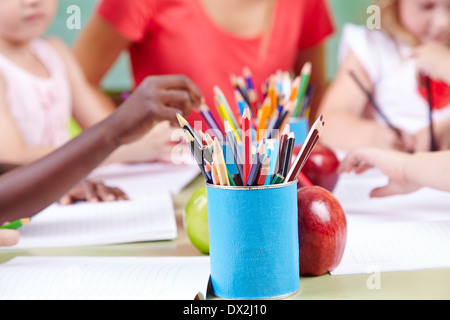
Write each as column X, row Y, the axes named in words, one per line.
column 390, row 162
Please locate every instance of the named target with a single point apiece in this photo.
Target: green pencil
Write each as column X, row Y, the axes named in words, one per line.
column 277, row 179
column 305, row 76
column 16, row 224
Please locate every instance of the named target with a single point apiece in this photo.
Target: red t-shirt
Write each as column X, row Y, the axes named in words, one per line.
column 179, row 37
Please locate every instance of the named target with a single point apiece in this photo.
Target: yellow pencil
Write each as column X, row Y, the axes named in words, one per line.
column 219, row 160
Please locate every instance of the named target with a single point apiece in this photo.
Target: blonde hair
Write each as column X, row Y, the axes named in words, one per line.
column 390, row 21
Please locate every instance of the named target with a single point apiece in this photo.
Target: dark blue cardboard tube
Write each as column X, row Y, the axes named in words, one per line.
column 253, row 239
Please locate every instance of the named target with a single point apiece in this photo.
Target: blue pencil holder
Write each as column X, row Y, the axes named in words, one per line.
column 300, row 127
column 253, row 241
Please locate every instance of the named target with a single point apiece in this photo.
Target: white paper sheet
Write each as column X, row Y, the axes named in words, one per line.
column 406, row 232
column 111, row 278
column 144, row 179
column 148, row 216
column 83, row 224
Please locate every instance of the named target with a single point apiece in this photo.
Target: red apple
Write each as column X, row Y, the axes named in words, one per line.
column 322, row 229
column 321, row 167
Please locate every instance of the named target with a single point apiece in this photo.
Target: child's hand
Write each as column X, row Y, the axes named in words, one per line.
column 158, row 98
column 9, row 237
column 93, row 192
column 433, row 60
column 386, row 138
column 391, row 163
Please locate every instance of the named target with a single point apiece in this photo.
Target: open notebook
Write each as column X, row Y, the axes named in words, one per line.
column 405, row 232
column 83, row 224
column 147, row 216
column 105, row 278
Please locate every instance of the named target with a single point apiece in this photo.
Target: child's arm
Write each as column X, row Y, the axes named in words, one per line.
column 43, row 182
column 343, row 106
column 13, row 148
column 89, row 108
column 406, row 172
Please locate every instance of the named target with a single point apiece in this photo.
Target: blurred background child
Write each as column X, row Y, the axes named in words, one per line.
column 158, row 98
column 414, row 39
column 42, row 87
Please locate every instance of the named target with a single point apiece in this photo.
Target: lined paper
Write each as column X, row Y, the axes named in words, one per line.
column 83, row 224
column 111, row 278
column 398, row 233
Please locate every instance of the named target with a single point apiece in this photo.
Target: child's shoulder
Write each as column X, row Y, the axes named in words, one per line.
column 58, row 45
column 362, row 35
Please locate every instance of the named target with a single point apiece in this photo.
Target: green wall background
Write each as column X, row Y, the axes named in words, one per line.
column 118, row 79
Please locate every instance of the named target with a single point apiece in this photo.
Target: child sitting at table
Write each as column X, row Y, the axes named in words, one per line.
column 42, row 87
column 157, row 99
column 414, row 39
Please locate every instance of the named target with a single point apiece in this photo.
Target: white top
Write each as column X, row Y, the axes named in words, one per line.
column 393, row 74
column 41, row 107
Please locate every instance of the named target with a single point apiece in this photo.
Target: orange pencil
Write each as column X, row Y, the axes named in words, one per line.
column 272, row 93
column 246, row 144
column 266, row 111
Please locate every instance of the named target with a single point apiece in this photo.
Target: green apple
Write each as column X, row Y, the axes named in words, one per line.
column 195, row 220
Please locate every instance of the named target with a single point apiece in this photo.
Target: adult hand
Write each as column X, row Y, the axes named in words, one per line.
column 158, row 98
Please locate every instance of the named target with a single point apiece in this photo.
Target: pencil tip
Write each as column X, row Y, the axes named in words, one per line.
column 307, row 67
column 181, row 120
column 246, row 113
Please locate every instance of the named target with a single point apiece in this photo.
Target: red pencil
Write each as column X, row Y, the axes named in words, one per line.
column 246, row 144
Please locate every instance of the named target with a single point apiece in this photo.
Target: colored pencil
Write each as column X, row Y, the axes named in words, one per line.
column 16, row 224
column 310, row 142
column 256, row 165
column 433, row 144
column 209, row 118
column 232, row 143
column 277, row 179
column 219, row 93
column 208, row 169
column 282, row 148
column 215, row 174
column 374, row 104
column 286, row 163
column 220, row 162
column 197, row 152
column 272, row 93
column 241, row 105
column 304, row 82
column 264, row 172
column 251, row 90
column 226, row 116
column 246, row 145
column 266, row 111
column 187, row 127
column 238, row 86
